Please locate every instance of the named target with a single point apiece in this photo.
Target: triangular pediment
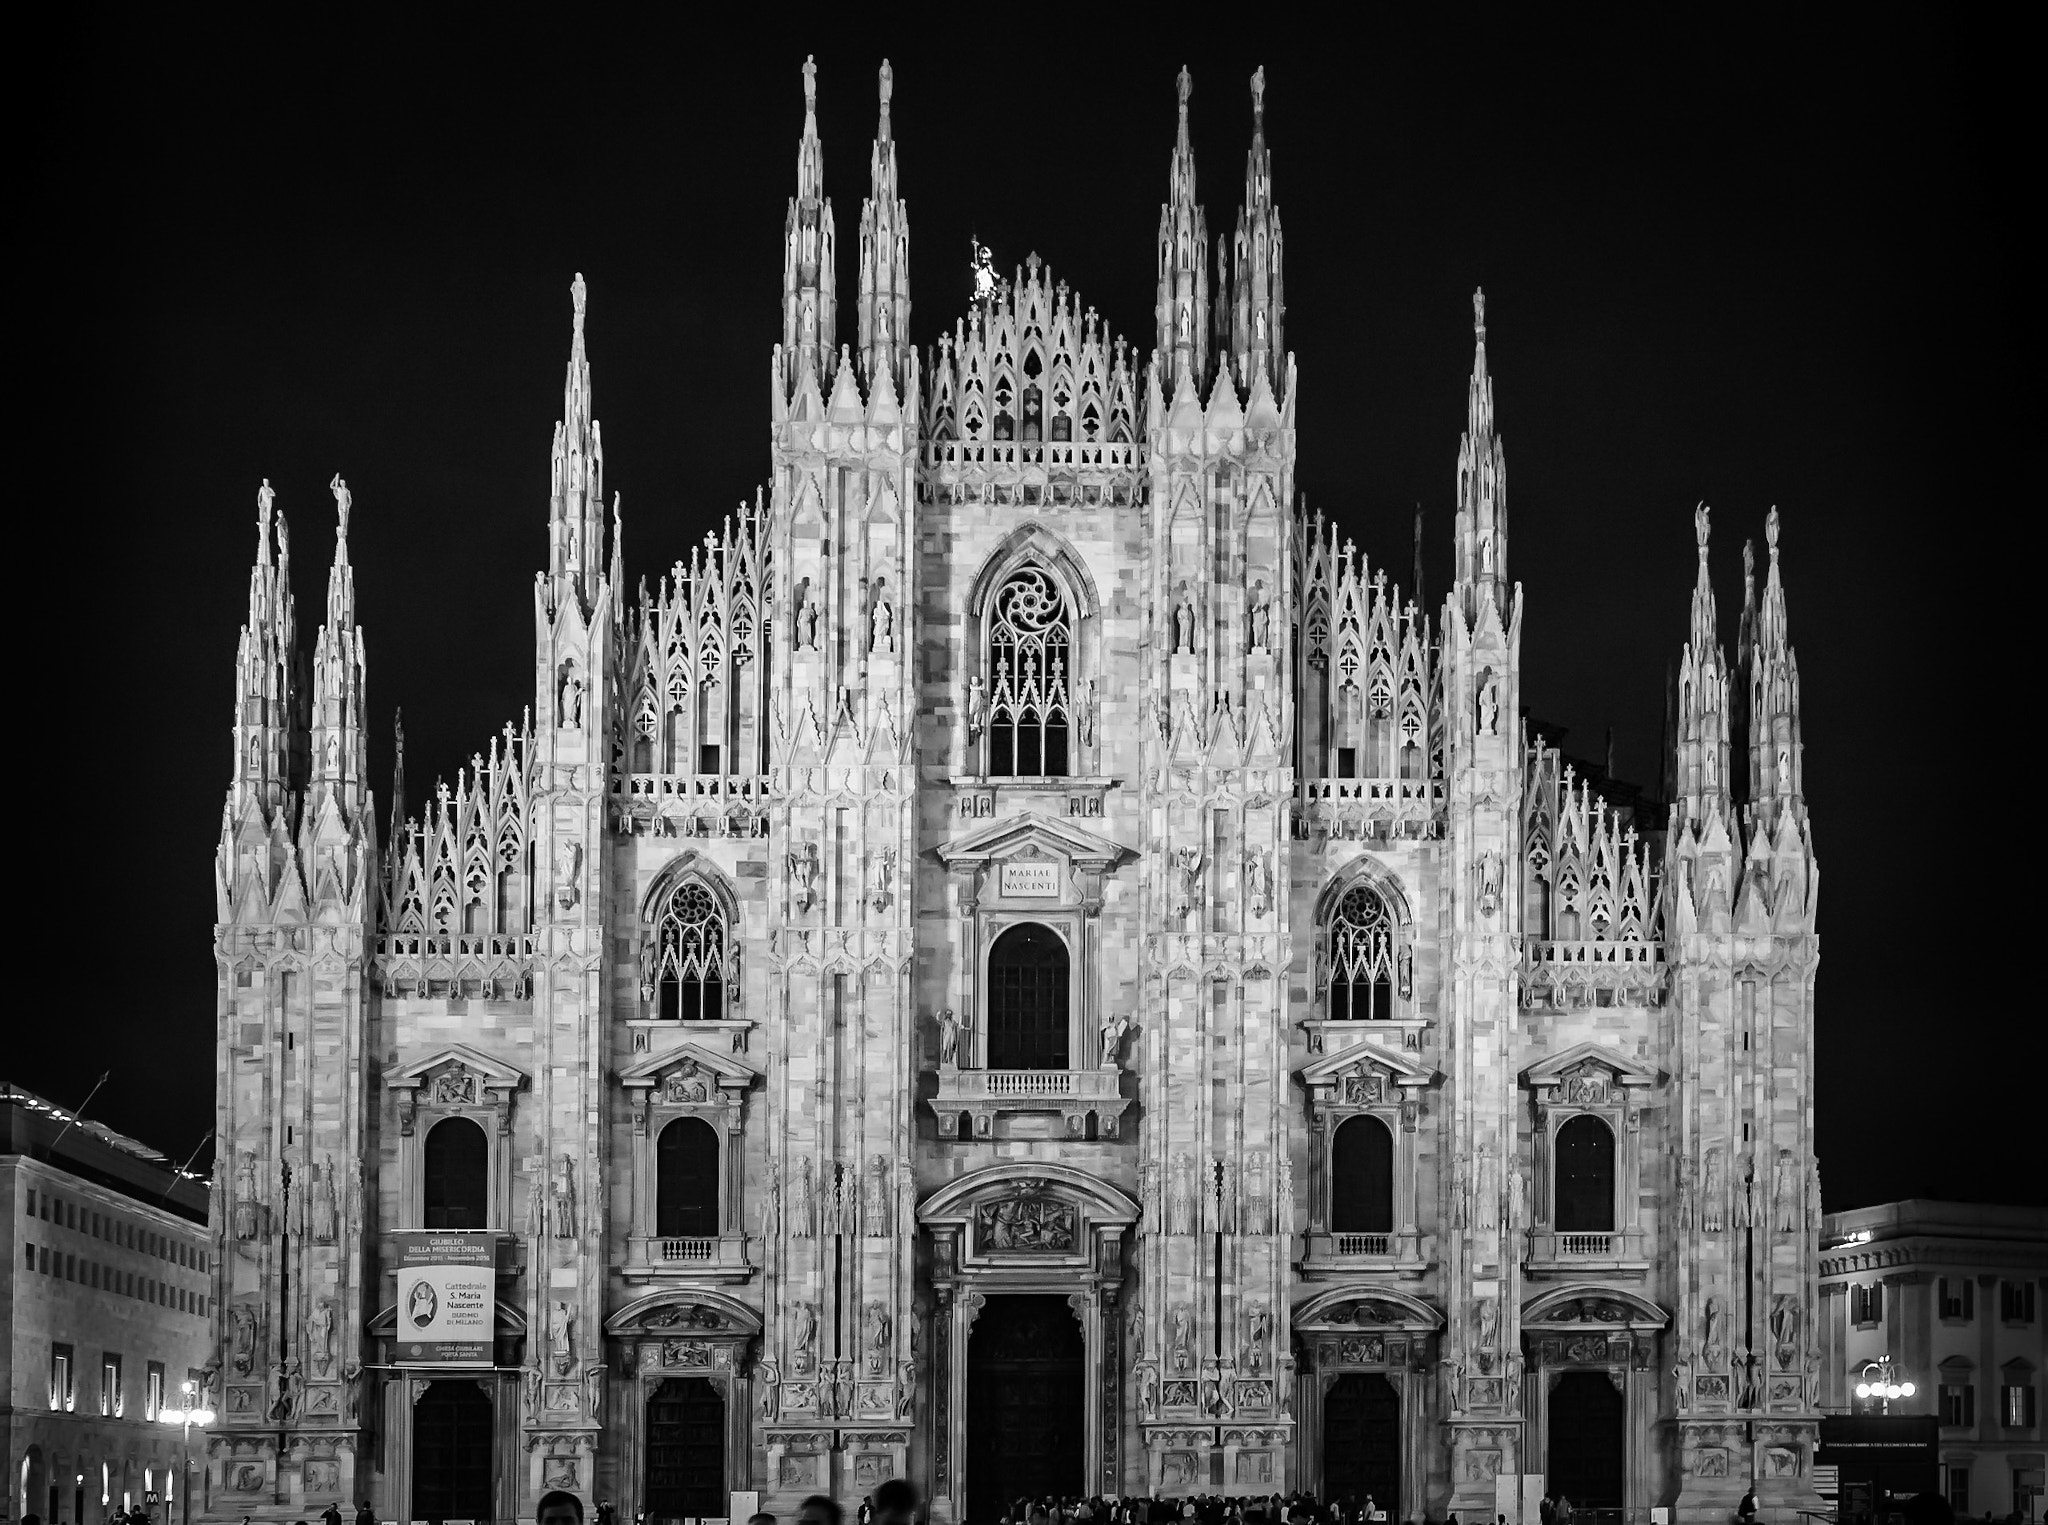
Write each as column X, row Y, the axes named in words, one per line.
column 492, row 1074
column 650, row 1069
column 1014, row 834
column 1554, row 1069
column 1331, row 1068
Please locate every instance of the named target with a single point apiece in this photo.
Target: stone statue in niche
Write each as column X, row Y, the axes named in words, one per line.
column 568, row 864
column 1489, row 882
column 1183, row 623
column 562, row 1337
column 881, row 877
column 1486, row 1322
column 881, row 619
column 248, row 1199
column 1180, row 1196
column 803, row 872
column 1113, row 1031
column 1785, row 1328
column 1183, row 1337
column 804, row 1327
column 1710, row 1334
column 767, row 1387
column 1187, row 864
column 950, row 1029
column 569, row 713
column 975, row 709
column 1261, row 617
column 1088, row 714
column 806, row 617
column 321, row 1218
column 564, row 1198
column 320, row 1335
column 803, row 1210
column 1489, row 703
column 1258, row 873
column 875, row 1205
column 242, row 1354
column 875, row 1326
column 1258, row 1331
column 1785, row 1204
column 1710, row 1192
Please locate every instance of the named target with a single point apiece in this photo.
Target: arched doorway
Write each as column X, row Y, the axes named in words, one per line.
column 457, row 1176
column 1027, row 999
column 453, row 1459
column 686, row 1180
column 1587, row 1440
column 685, row 1450
column 1362, row 1441
column 1027, row 1403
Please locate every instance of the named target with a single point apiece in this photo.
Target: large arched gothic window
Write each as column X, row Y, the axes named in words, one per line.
column 685, row 979
column 1030, row 664
column 1584, row 1152
column 686, row 1180
column 457, row 1178
column 1027, row 1000
column 1362, row 1177
column 1361, row 942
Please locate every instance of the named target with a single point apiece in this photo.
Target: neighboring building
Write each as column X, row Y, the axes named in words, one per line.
column 1954, row 1295
column 1025, row 964
column 108, row 1311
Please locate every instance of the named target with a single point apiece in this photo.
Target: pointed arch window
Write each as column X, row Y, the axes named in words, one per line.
column 1031, row 645
column 689, row 954
column 1361, row 944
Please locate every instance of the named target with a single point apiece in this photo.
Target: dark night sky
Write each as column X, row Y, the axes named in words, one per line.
column 1754, row 268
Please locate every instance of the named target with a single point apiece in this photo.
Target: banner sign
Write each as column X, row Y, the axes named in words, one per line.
column 447, row 1297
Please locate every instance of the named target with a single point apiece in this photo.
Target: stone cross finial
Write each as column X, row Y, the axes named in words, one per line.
column 1771, row 531
column 341, row 502
column 1259, row 95
column 1479, row 311
column 1699, row 529
column 810, row 81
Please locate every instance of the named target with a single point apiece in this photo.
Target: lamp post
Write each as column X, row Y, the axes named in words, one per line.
column 1882, row 1385
column 187, row 1416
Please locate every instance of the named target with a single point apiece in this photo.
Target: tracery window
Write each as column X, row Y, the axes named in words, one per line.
column 685, row 979
column 1361, row 953
column 1031, row 636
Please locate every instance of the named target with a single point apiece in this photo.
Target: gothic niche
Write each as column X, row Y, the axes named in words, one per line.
column 1027, row 1221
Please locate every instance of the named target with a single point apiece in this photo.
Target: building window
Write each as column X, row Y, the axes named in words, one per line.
column 1030, row 663
column 1958, row 1298
column 1958, row 1404
column 153, row 1397
column 28, row 1257
column 1584, row 1151
column 1866, row 1303
column 686, row 978
column 1362, row 1177
column 1361, row 938
column 2016, row 1405
column 1958, row 1490
column 2016, row 1302
column 686, row 1180
column 1028, row 984
column 61, row 1395
column 457, row 1176
column 111, row 1401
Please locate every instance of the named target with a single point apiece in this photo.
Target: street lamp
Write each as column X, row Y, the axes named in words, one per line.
column 1882, row 1384
column 187, row 1416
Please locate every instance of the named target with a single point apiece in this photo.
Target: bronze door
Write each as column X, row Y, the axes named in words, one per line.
column 1026, row 1403
column 685, row 1450
column 1362, row 1441
column 452, row 1452
column 1586, row 1441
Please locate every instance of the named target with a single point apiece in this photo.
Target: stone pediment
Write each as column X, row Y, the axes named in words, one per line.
column 1029, row 1217
column 1017, row 835
column 458, row 1076
column 694, row 1311
column 1589, row 1074
column 679, row 1074
column 1589, row 1308
column 1365, row 1075
column 1354, row 1308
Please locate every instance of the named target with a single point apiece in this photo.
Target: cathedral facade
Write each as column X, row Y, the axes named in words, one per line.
column 1024, row 964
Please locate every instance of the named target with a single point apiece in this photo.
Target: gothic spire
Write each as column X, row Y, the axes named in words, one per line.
column 1701, row 761
column 1482, row 523
column 884, row 257
column 576, row 512
column 1183, row 306
column 1772, row 679
column 338, row 762
column 1249, row 300
column 808, row 321
column 265, row 667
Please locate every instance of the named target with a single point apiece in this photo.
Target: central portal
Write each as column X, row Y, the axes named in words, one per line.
column 1027, row 1403
column 685, row 1450
column 1362, row 1442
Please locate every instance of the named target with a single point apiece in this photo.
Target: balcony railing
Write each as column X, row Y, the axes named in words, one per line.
column 1069, row 455
column 1600, row 1245
column 688, row 1249
column 706, row 1257
column 968, row 1102
column 968, row 1086
column 1363, row 1244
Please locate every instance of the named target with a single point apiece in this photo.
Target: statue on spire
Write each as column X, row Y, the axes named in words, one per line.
column 1187, row 88
column 1771, row 531
column 810, row 82
column 341, row 505
column 1699, row 528
column 888, row 87
column 265, row 498
column 1479, row 312
column 1258, row 95
column 577, row 299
